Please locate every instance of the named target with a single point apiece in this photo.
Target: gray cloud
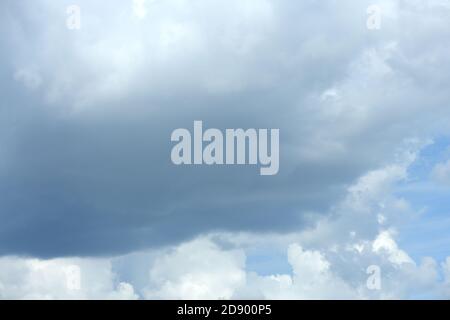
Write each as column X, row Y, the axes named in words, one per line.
column 85, row 151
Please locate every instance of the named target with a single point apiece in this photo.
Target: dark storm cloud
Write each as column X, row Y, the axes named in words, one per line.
column 87, row 117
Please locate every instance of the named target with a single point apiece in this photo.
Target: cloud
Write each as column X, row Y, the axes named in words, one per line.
column 330, row 260
column 197, row 270
column 385, row 243
column 85, row 154
column 26, row 278
column 311, row 279
column 333, row 267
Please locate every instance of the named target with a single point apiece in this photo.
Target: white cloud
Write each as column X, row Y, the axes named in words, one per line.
column 312, row 278
column 25, row 278
column 197, row 270
column 200, row 269
column 384, row 243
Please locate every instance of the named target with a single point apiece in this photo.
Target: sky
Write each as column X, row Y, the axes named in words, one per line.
column 91, row 205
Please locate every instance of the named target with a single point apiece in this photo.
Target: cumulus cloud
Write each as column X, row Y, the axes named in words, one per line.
column 28, row 278
column 197, row 270
column 334, row 267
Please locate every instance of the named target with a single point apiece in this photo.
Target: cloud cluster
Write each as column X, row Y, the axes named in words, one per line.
column 329, row 260
column 197, row 270
column 27, row 278
column 85, row 123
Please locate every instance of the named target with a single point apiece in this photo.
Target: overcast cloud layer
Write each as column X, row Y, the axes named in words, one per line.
column 85, row 123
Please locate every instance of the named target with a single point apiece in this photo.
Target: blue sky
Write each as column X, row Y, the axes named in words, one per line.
column 428, row 233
